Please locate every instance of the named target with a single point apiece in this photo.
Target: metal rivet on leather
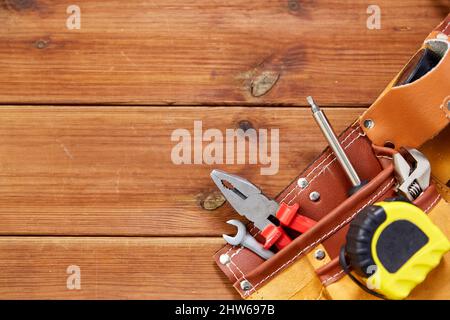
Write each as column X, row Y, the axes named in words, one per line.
column 245, row 285
column 319, row 254
column 369, row 123
column 224, row 259
column 302, row 183
column 314, row 196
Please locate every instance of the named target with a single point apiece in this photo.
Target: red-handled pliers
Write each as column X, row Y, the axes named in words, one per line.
column 266, row 214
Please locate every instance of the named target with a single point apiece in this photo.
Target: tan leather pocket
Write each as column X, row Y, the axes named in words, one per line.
column 409, row 114
column 437, row 151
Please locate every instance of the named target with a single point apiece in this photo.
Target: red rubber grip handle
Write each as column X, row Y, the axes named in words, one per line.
column 288, row 217
column 301, row 223
column 275, row 236
column 283, row 241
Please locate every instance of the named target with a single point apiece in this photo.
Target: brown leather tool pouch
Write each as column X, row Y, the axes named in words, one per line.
column 308, row 268
column 296, row 272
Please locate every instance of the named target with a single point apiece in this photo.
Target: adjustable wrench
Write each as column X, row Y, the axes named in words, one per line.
column 413, row 172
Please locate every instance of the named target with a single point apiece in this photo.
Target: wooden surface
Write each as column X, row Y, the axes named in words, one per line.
column 108, row 170
column 207, row 52
column 86, row 115
column 111, row 268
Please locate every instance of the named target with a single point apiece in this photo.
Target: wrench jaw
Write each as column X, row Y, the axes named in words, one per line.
column 238, row 239
column 413, row 172
column 422, row 168
column 244, row 239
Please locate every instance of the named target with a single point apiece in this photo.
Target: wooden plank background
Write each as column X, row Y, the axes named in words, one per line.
column 108, row 170
column 86, row 117
column 111, row 268
column 198, row 52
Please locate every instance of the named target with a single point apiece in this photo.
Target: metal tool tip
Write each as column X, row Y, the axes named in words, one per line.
column 215, row 176
column 314, row 107
column 214, row 173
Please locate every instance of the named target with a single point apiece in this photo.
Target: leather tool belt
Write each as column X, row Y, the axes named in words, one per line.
column 410, row 112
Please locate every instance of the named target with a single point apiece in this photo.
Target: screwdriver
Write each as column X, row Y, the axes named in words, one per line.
column 329, row 134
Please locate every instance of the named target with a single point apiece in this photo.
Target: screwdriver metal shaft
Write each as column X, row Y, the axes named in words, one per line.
column 329, row 134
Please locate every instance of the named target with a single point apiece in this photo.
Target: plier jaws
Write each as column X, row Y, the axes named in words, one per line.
column 233, row 187
column 245, row 198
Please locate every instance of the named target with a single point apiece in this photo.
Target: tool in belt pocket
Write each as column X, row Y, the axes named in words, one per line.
column 266, row 214
column 393, row 244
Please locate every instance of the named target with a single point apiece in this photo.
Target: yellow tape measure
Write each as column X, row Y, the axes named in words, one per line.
column 393, row 245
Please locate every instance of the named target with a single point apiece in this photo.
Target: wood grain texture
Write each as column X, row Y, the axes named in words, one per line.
column 207, row 52
column 108, row 170
column 111, row 268
column 69, row 167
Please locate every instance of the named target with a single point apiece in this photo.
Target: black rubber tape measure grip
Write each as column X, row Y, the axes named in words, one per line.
column 393, row 245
